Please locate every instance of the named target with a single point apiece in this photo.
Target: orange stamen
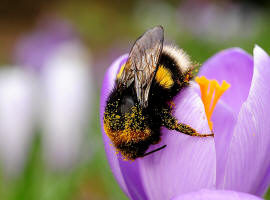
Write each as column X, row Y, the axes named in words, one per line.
column 211, row 92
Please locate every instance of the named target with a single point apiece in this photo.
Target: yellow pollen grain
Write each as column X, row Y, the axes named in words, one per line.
column 164, row 77
column 211, row 92
column 121, row 71
column 132, row 131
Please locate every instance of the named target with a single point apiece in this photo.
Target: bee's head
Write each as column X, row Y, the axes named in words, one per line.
column 127, row 104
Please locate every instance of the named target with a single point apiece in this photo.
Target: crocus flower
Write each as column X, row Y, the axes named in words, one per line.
column 61, row 63
column 235, row 159
column 17, row 114
column 216, row 195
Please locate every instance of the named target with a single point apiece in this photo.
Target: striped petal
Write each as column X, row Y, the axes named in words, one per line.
column 247, row 169
column 216, row 195
column 187, row 163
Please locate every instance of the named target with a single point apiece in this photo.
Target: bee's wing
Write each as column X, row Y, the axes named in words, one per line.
column 142, row 62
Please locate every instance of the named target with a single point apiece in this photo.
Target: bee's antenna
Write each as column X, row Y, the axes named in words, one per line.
column 146, row 154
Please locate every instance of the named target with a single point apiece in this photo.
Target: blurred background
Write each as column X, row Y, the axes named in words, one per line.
column 53, row 55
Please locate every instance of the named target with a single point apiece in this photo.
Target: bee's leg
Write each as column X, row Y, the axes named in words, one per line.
column 171, row 123
column 183, row 128
column 146, row 154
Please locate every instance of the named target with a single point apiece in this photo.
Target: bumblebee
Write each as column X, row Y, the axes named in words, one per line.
column 141, row 101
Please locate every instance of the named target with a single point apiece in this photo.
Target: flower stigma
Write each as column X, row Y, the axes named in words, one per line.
column 211, row 92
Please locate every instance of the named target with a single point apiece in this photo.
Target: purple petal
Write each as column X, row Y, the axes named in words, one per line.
column 216, row 195
column 248, row 163
column 224, row 122
column 17, row 118
column 236, row 67
column 126, row 173
column 67, row 88
column 187, row 163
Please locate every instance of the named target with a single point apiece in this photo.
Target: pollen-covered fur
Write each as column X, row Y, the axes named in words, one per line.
column 133, row 128
column 179, row 56
column 141, row 102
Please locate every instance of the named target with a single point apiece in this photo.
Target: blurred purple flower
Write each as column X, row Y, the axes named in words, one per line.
column 17, row 114
column 33, row 49
column 65, row 89
column 236, row 159
column 216, row 195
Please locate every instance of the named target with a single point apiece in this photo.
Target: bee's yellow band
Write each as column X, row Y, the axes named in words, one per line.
column 164, row 77
column 208, row 87
column 121, row 71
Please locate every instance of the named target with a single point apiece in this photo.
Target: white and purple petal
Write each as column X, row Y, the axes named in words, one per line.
column 247, row 169
column 236, row 67
column 216, row 195
column 17, row 117
column 67, row 90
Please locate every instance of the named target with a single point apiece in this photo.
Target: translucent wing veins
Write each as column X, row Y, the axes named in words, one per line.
column 142, row 63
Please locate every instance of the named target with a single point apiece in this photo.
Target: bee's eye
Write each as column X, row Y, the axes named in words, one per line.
column 127, row 104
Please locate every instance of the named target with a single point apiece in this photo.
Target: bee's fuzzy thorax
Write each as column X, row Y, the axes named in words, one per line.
column 181, row 59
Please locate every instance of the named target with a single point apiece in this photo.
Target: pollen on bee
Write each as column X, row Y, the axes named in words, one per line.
column 171, row 104
column 132, row 129
column 164, row 77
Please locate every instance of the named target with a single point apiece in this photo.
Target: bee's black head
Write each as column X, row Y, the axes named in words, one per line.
column 127, row 104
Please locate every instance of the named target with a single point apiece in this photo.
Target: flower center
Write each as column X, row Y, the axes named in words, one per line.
column 211, row 92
